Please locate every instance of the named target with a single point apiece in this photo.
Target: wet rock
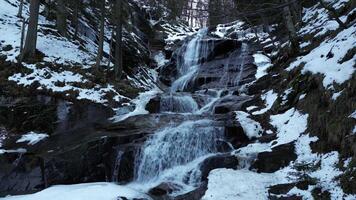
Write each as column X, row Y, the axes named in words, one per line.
column 278, row 158
column 7, row 48
column 236, row 136
column 218, row 161
column 164, row 189
column 196, row 194
column 20, row 174
column 153, row 105
column 229, row 104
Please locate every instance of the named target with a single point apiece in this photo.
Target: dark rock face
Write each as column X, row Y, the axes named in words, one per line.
column 162, row 190
column 229, row 103
column 218, row 161
column 280, row 157
column 153, row 105
column 196, row 194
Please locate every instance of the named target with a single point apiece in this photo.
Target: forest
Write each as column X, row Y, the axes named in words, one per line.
column 177, row 99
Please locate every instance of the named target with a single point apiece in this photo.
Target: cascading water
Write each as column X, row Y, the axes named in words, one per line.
column 193, row 52
column 178, row 103
column 176, row 146
column 173, row 154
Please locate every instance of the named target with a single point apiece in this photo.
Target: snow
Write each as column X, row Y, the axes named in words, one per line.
column 140, row 105
column 55, row 48
column 19, row 150
column 65, row 82
column 270, row 97
column 160, row 59
column 263, row 63
column 302, row 96
column 251, row 128
column 32, row 138
column 290, row 125
column 336, row 95
column 243, row 184
column 222, row 30
column 333, row 68
column 87, row 191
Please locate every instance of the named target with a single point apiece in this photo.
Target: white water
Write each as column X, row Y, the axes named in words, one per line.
column 174, row 147
column 178, row 103
column 193, row 52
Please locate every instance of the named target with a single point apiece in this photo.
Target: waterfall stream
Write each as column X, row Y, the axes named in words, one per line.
column 173, row 154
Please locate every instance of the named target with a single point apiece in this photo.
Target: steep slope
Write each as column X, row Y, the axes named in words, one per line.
column 304, row 107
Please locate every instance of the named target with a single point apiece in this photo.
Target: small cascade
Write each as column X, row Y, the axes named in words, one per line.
column 115, row 172
column 244, row 49
column 178, row 103
column 190, row 55
column 176, row 146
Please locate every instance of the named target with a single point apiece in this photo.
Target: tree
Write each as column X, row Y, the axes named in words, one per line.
column 290, row 27
column 19, row 14
column 61, row 21
column 118, row 49
column 31, row 37
column 333, row 13
column 101, row 34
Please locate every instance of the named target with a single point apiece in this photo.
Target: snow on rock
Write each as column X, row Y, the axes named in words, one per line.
column 86, row 191
column 263, row 63
column 140, row 105
column 242, row 184
column 65, row 82
column 32, row 138
column 269, row 97
column 222, row 30
column 176, row 32
column 20, row 150
column 160, row 59
column 251, row 128
column 329, row 60
column 290, row 125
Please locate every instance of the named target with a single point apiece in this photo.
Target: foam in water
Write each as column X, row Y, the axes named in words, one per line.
column 178, row 104
column 176, row 146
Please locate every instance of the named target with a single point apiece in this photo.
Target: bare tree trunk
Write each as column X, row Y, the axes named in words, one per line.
column 111, row 47
column 290, row 27
column 333, row 13
column 19, row 14
column 22, row 35
column 118, row 49
column 31, row 37
column 61, row 22
column 76, row 17
column 101, row 35
column 47, row 9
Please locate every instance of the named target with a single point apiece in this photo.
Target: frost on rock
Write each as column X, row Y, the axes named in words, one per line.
column 32, row 138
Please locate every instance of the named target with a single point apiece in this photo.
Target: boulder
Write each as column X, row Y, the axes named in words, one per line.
column 217, row 161
column 278, row 158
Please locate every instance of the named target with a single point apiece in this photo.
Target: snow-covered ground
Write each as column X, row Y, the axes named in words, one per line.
column 327, row 59
column 87, row 191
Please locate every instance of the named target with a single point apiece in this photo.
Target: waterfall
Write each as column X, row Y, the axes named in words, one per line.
column 116, row 167
column 244, row 49
column 190, row 55
column 178, row 104
column 176, row 146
